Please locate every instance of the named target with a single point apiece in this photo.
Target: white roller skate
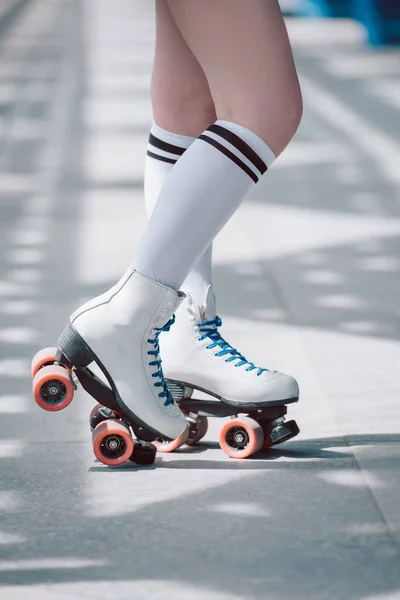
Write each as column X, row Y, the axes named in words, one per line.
column 196, row 357
column 118, row 332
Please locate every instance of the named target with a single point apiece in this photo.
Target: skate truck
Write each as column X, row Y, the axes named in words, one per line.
column 117, row 438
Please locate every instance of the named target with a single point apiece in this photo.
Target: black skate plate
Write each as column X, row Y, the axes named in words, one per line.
column 96, row 388
column 217, row 408
column 237, row 407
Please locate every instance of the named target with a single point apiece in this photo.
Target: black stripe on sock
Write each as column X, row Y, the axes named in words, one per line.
column 241, row 145
column 172, row 161
column 161, row 145
column 230, row 155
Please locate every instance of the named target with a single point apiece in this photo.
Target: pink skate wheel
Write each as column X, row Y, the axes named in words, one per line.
column 52, row 388
column 241, row 437
column 112, row 443
column 164, row 446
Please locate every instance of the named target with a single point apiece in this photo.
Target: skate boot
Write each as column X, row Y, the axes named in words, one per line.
column 118, row 331
column 196, row 357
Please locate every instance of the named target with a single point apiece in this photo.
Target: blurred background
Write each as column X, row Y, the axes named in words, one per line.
column 307, row 280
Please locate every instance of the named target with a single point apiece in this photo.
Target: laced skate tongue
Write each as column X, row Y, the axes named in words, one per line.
column 208, row 310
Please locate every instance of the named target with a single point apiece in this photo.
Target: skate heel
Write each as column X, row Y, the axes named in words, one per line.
column 72, row 345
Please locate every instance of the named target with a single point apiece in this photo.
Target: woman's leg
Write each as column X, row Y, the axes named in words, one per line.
column 244, row 51
column 245, row 54
column 182, row 109
column 180, row 94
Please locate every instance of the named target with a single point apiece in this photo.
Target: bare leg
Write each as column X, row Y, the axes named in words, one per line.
column 244, row 51
column 181, row 97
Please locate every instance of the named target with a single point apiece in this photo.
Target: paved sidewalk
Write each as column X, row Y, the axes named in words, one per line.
column 307, row 277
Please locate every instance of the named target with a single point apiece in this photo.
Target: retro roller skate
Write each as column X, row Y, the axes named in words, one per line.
column 117, row 335
column 196, row 358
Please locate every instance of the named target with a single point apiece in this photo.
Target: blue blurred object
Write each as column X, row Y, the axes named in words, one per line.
column 325, row 8
column 381, row 19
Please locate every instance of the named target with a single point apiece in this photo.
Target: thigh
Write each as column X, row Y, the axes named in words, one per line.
column 181, row 97
column 244, row 51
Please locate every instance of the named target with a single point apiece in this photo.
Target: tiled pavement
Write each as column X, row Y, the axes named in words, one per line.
column 307, row 277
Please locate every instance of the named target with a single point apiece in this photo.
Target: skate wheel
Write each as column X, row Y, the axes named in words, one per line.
column 241, row 437
column 112, row 442
column 143, row 454
column 281, row 433
column 43, row 358
column 197, row 431
column 165, row 446
column 52, row 388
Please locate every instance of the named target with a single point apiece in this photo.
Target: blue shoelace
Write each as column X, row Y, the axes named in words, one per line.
column 210, row 329
column 157, row 363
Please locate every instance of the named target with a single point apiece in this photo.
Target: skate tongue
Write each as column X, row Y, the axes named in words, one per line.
column 205, row 311
column 209, row 310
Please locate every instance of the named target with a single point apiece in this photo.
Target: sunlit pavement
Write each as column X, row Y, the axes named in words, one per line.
column 307, row 277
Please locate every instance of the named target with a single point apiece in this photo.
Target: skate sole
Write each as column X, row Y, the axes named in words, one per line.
column 246, row 407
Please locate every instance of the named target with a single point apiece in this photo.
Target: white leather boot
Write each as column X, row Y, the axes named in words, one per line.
column 194, row 352
column 119, row 331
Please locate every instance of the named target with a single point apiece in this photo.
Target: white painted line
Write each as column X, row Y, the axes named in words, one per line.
column 341, row 301
column 360, row 327
column 382, row 148
column 311, row 153
column 9, row 288
column 350, row 478
column 10, row 182
column 137, row 589
column 10, row 538
column 35, row 221
column 110, row 158
column 27, row 275
column 18, row 307
column 380, row 263
column 49, row 563
column 9, row 501
column 11, row 449
column 27, row 256
column 323, row 277
column 12, row 405
column 17, row 335
column 29, row 237
column 15, row 367
column 247, row 509
column 117, row 113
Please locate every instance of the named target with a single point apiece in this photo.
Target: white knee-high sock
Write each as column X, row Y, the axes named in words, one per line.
column 163, row 151
column 203, row 190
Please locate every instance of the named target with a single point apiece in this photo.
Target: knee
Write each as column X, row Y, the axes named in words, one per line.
column 289, row 116
column 274, row 115
column 188, row 109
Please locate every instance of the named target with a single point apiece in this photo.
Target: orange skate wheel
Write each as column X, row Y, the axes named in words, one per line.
column 52, row 388
column 241, row 437
column 112, row 443
column 164, row 446
column 42, row 358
